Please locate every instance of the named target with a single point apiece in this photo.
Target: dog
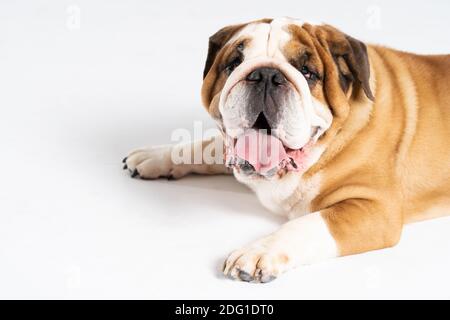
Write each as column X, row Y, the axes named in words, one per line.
column 348, row 141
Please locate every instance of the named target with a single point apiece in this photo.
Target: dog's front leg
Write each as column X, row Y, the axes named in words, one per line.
column 346, row 228
column 177, row 160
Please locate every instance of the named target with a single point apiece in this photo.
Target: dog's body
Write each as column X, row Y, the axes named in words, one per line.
column 374, row 140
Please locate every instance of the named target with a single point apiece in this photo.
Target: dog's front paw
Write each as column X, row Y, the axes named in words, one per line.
column 262, row 261
column 152, row 163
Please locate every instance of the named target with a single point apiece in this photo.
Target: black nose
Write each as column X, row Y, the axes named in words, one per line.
column 267, row 75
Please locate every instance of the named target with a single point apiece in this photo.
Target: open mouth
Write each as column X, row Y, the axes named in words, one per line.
column 270, row 121
column 258, row 152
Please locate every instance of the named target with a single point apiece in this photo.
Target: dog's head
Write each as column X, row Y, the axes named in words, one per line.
column 280, row 90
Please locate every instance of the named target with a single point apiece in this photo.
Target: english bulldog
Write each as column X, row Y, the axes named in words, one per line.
column 349, row 141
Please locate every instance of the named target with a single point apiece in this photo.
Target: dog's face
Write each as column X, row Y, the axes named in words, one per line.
column 280, row 90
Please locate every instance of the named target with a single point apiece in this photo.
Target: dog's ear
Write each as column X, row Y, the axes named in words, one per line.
column 216, row 42
column 358, row 61
column 352, row 60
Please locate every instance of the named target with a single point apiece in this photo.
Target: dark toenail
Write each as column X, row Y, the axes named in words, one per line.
column 245, row 276
column 124, row 160
column 135, row 173
column 125, row 167
column 170, row 177
column 258, row 274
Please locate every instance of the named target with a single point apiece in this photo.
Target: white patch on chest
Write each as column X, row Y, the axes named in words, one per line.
column 290, row 196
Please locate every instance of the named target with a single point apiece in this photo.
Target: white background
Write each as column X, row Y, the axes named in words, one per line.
column 78, row 91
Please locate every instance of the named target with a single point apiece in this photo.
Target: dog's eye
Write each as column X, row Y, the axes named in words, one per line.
column 232, row 65
column 309, row 75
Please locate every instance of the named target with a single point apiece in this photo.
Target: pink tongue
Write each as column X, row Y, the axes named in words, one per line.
column 262, row 151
